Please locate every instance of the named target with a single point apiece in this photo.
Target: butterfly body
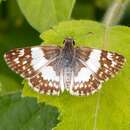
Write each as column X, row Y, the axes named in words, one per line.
column 51, row 69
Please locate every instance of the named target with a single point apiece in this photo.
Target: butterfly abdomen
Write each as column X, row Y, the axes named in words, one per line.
column 68, row 77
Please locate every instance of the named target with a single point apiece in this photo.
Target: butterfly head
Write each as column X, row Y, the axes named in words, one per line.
column 69, row 42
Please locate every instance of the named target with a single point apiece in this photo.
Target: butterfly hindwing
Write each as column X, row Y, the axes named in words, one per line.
column 46, row 81
column 96, row 66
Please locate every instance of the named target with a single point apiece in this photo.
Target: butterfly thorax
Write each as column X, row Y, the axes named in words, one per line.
column 68, row 53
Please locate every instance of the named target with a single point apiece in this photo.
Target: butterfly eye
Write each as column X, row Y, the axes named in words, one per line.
column 64, row 42
column 73, row 42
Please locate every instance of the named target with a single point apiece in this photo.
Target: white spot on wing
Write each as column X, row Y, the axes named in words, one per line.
column 83, row 75
column 49, row 74
column 37, row 52
column 37, row 63
column 38, row 59
column 55, row 92
column 16, row 60
column 109, row 56
column 76, row 93
column 94, row 60
column 24, row 62
column 50, row 84
column 21, row 53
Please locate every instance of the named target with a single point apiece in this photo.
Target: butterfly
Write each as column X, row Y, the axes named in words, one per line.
column 52, row 69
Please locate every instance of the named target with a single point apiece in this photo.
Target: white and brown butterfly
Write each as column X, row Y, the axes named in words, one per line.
column 51, row 69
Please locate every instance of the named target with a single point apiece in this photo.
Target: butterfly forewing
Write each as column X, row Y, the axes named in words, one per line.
column 96, row 66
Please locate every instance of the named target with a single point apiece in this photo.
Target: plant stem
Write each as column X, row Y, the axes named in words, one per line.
column 113, row 16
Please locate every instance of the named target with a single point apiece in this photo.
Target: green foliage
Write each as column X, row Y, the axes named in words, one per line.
column 18, row 113
column 43, row 14
column 14, row 14
column 108, row 109
column 103, row 4
column 83, row 11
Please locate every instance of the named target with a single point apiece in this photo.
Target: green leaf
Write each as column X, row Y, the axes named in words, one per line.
column 43, row 14
column 84, row 10
column 15, row 16
column 18, row 113
column 8, row 87
column 109, row 108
